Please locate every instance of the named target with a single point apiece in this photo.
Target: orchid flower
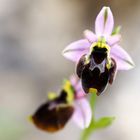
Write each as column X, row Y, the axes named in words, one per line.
column 99, row 55
column 59, row 109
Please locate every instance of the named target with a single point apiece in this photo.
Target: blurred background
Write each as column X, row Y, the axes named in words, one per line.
column 32, row 35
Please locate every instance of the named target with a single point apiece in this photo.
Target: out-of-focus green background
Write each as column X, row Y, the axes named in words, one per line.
column 32, row 35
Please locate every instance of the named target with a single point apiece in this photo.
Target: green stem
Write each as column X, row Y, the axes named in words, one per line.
column 88, row 131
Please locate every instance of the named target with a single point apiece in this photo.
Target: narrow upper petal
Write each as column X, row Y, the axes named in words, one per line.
column 114, row 39
column 104, row 22
column 90, row 36
column 76, row 49
column 122, row 58
column 83, row 114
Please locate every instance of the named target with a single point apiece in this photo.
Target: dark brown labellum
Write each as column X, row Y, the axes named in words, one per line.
column 80, row 66
column 52, row 120
column 94, row 79
column 53, row 115
column 95, row 76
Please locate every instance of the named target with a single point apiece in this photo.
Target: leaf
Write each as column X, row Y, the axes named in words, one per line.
column 95, row 125
column 101, row 123
column 104, row 122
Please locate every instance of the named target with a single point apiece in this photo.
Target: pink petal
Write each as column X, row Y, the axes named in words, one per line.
column 79, row 91
column 90, row 36
column 76, row 83
column 122, row 58
column 75, row 50
column 112, row 40
column 83, row 114
column 104, row 22
column 74, row 80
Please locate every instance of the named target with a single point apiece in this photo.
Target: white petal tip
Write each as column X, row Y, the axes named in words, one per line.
column 63, row 53
column 104, row 7
column 127, row 66
column 132, row 65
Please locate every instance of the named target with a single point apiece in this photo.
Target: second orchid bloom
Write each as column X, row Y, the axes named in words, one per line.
column 99, row 55
column 59, row 109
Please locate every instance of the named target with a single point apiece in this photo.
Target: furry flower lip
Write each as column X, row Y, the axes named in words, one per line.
column 59, row 109
column 99, row 55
